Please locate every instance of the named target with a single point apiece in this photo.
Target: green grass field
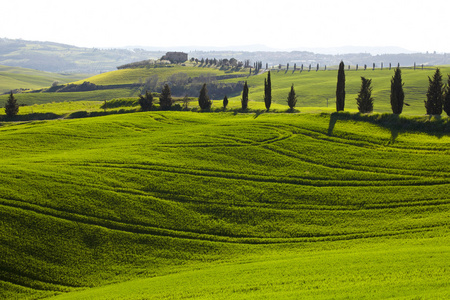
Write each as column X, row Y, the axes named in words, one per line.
column 130, row 76
column 225, row 205
column 12, row 78
column 314, row 89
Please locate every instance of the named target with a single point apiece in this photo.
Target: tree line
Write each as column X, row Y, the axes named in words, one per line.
column 438, row 95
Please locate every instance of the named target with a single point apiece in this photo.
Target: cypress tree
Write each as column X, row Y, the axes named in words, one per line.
column 146, row 101
column 435, row 94
column 364, row 101
column 292, row 98
column 340, row 88
column 447, row 98
column 397, row 94
column 11, row 106
column 268, row 91
column 244, row 100
column 225, row 102
column 203, row 99
column 165, row 99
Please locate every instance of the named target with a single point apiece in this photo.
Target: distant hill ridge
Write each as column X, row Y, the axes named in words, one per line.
column 61, row 58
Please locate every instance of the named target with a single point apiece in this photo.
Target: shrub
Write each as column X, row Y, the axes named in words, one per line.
column 146, row 101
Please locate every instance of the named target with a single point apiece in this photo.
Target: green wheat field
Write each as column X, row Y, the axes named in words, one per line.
column 228, row 204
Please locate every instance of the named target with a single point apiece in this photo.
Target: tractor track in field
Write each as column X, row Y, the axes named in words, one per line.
column 122, row 226
column 305, row 181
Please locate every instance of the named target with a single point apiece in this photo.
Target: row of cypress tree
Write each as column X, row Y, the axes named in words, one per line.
column 438, row 95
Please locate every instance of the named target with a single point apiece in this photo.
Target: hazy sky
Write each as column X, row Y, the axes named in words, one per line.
column 283, row 24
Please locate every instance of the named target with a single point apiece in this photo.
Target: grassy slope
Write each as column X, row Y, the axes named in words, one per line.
column 313, row 88
column 129, row 76
column 126, row 76
column 15, row 78
column 223, row 205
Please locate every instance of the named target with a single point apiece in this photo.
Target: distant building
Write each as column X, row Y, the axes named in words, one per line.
column 175, row 57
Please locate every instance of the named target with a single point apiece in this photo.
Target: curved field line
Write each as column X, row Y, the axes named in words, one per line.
column 155, row 231
column 351, row 167
column 305, row 181
column 37, row 284
column 285, row 132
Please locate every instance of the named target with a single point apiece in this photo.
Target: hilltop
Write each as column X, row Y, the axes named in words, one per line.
column 16, row 78
column 62, row 58
column 314, row 88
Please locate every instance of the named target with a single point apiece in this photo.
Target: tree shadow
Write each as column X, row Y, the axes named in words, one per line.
column 431, row 125
column 30, row 117
column 258, row 113
column 333, row 119
column 394, row 136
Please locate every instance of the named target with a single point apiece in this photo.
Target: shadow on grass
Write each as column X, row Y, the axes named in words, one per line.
column 333, row 120
column 85, row 114
column 431, row 125
column 30, row 117
column 258, row 113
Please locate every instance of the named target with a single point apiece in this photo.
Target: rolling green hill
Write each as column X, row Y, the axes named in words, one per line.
column 164, row 205
column 314, row 89
column 57, row 57
column 12, row 78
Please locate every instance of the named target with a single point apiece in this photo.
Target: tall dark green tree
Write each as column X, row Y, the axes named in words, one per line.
column 11, row 106
column 203, row 99
column 292, row 98
column 146, row 101
column 435, row 94
column 268, row 91
column 340, row 88
column 447, row 98
column 397, row 94
column 165, row 99
column 225, row 102
column 244, row 99
column 364, row 101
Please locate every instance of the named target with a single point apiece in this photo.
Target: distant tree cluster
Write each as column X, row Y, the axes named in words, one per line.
column 232, row 62
column 148, row 63
column 257, row 66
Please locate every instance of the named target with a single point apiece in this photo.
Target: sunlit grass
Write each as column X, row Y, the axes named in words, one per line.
column 225, row 205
